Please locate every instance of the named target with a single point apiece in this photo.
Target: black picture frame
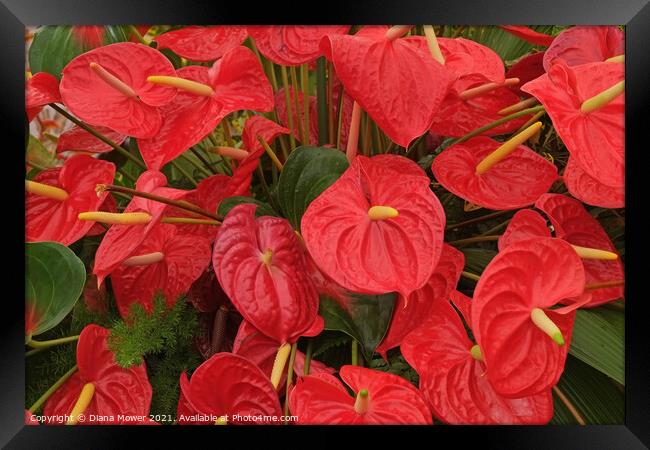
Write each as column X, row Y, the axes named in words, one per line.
column 635, row 14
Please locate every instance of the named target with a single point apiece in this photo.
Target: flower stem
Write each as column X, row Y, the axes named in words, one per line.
column 287, row 99
column 470, row 276
column 572, row 409
column 292, row 360
column 304, row 78
column 271, row 153
column 177, row 203
column 304, row 136
column 45, row 344
column 201, row 158
column 496, row 123
column 355, row 352
column 98, row 135
column 476, row 220
column 321, row 100
column 308, row 355
column 43, row 398
column 134, row 31
column 474, row 239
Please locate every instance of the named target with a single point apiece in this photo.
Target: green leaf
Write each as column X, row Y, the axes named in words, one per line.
column 38, row 154
column 599, row 340
column 54, row 47
column 597, row 398
column 263, row 209
column 476, row 259
column 307, row 173
column 366, row 319
column 53, row 283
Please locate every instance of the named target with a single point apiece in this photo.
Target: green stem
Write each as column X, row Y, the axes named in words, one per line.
column 43, row 398
column 474, row 239
column 44, row 344
column 339, row 125
column 321, row 100
column 476, row 220
column 470, row 276
column 296, row 104
column 292, row 360
column 33, row 351
column 496, row 123
column 308, row 355
column 287, row 99
column 98, row 135
column 304, row 78
column 355, row 353
column 134, row 31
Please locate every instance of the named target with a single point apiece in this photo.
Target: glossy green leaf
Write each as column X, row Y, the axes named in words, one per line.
column 599, row 340
column 263, row 209
column 307, row 173
column 54, row 281
column 54, row 47
column 38, row 154
column 365, row 318
column 596, row 397
column 476, row 259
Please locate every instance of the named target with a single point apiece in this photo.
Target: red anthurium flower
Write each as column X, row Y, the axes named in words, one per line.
column 254, row 346
column 292, row 45
column 40, row 90
column 101, row 386
column 224, row 387
column 166, row 262
column 56, row 196
column 587, row 110
column 378, row 228
column 513, row 182
column 103, row 87
column 411, row 312
column 381, row 399
column 528, row 34
column 452, row 376
column 259, row 126
column 589, row 189
column 236, row 81
column 260, row 265
column 134, row 224
column 471, row 65
column 527, row 68
column 525, row 224
column 574, row 224
column 202, row 43
column 398, row 84
column 463, row 304
column 585, row 44
column 77, row 139
column 523, row 341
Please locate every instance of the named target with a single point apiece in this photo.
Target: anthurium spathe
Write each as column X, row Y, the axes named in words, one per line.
column 79, row 140
column 586, row 106
column 574, row 224
column 514, row 181
column 452, row 376
column 55, row 197
column 585, row 44
column 292, row 45
column 478, row 89
column 589, row 189
column 260, row 265
column 523, row 341
column 132, row 226
column 398, row 84
column 226, row 387
column 104, row 87
column 202, row 43
column 381, row 399
column 526, row 69
column 412, row 311
column 166, row 262
column 101, row 387
column 40, row 89
column 529, row 35
column 378, row 228
column 235, row 82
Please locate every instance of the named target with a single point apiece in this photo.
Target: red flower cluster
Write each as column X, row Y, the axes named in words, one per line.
column 369, row 225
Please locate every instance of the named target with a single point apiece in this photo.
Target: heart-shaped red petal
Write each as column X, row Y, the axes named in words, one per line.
column 590, row 190
column 585, row 44
column 77, row 139
column 528, row 34
column 40, row 90
column 514, row 182
column 376, row 256
column 202, row 43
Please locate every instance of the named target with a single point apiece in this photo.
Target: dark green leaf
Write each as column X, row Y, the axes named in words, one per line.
column 366, row 319
column 307, row 172
column 54, row 280
column 263, row 209
column 599, row 340
column 54, row 47
column 476, row 259
column 597, row 398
